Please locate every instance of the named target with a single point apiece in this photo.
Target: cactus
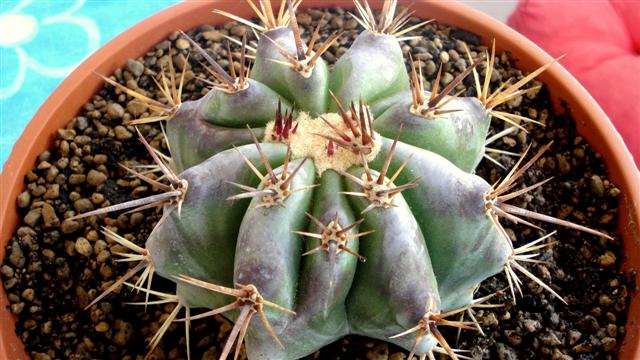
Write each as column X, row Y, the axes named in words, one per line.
column 329, row 201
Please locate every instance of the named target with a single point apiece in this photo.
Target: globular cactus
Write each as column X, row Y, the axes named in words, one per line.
column 329, row 201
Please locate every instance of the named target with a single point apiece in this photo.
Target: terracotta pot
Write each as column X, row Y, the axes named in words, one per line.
column 68, row 99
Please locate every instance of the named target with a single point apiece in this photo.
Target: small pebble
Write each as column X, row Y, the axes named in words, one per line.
column 505, row 352
column 180, row 62
column 238, row 30
column 24, row 199
column 583, row 348
column 96, row 178
column 44, row 156
column 82, row 140
column 337, row 22
column 115, row 111
column 122, row 133
column 444, row 57
column 81, row 123
column 33, row 217
column 77, row 179
column 136, row 219
column 17, row 308
column 102, row 327
column 182, row 44
column 350, row 24
column 29, row 294
column 513, row 337
column 490, row 320
column 67, row 134
column 39, row 191
column 596, row 185
column 100, row 159
column 123, row 333
column 513, row 103
column 83, row 205
column 550, row 339
column 446, row 78
column 574, row 336
column 83, row 247
column 69, row 226
column 49, row 254
column 49, row 216
column 614, row 192
column 379, row 352
column 430, row 68
column 214, row 35
column 509, row 141
column 16, row 257
column 531, row 325
column 43, row 165
column 10, row 283
column 52, row 192
column 304, row 19
column 564, row 165
column 103, row 256
column 589, row 324
column 6, row 271
column 97, row 198
column 609, row 344
column 136, row 107
column 607, row 259
column 135, row 67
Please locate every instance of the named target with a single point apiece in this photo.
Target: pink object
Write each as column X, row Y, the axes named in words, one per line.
column 601, row 40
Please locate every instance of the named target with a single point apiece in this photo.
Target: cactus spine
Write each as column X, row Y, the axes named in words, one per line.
column 329, row 201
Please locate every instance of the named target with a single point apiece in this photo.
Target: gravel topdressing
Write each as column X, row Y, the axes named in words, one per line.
column 55, row 267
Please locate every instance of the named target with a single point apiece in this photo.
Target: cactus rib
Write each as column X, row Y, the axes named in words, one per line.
column 333, row 240
column 378, row 192
column 249, row 300
column 276, row 188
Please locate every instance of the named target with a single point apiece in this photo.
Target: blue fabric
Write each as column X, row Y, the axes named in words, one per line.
column 42, row 41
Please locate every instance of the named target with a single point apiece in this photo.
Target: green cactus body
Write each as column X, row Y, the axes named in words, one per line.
column 453, row 218
column 308, row 90
column 458, row 136
column 372, row 69
column 193, row 139
column 253, row 106
column 265, row 69
column 385, row 300
column 397, row 234
column 380, row 106
column 182, row 242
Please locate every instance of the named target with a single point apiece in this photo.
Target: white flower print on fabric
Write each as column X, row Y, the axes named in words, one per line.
column 18, row 29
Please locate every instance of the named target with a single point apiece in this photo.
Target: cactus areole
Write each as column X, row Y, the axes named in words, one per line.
column 306, row 203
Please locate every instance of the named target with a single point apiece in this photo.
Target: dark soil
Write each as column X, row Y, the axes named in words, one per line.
column 54, row 267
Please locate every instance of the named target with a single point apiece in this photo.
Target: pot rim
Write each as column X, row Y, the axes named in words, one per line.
column 68, row 98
